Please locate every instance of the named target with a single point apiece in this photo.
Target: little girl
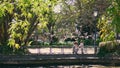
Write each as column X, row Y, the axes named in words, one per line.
column 75, row 48
column 82, row 47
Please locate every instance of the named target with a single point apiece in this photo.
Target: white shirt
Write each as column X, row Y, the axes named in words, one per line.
column 81, row 45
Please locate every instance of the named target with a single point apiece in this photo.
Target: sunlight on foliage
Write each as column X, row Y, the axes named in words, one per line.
column 18, row 31
column 19, row 19
column 109, row 23
column 106, row 29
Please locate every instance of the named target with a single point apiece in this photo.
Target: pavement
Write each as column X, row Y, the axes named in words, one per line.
column 87, row 50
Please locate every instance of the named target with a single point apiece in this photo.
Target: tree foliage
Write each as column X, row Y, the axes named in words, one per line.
column 81, row 13
column 109, row 22
column 18, row 20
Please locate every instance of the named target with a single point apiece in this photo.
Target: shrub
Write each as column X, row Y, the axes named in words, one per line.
column 109, row 48
column 88, row 42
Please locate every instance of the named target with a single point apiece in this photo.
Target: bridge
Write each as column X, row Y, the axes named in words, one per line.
column 56, row 59
column 66, row 58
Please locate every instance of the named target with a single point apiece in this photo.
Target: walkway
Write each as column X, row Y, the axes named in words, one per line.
column 88, row 50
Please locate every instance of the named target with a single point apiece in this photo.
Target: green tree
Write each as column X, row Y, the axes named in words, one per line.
column 80, row 12
column 109, row 29
column 51, row 25
column 18, row 20
column 109, row 22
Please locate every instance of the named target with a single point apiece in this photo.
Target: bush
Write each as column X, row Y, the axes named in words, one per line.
column 89, row 41
column 109, row 48
column 69, row 40
column 59, row 44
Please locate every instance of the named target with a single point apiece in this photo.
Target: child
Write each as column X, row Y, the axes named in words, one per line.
column 82, row 47
column 75, row 48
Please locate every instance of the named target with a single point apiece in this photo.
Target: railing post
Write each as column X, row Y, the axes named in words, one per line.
column 39, row 50
column 50, row 50
column 96, row 50
column 62, row 50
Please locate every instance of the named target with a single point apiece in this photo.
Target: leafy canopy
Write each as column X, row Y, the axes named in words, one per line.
column 109, row 22
column 21, row 17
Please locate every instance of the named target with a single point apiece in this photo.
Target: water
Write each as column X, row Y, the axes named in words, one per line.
column 62, row 66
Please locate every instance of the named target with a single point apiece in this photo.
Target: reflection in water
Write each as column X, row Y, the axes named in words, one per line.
column 61, row 66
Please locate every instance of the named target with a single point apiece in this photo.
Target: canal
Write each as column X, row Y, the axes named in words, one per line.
column 62, row 66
